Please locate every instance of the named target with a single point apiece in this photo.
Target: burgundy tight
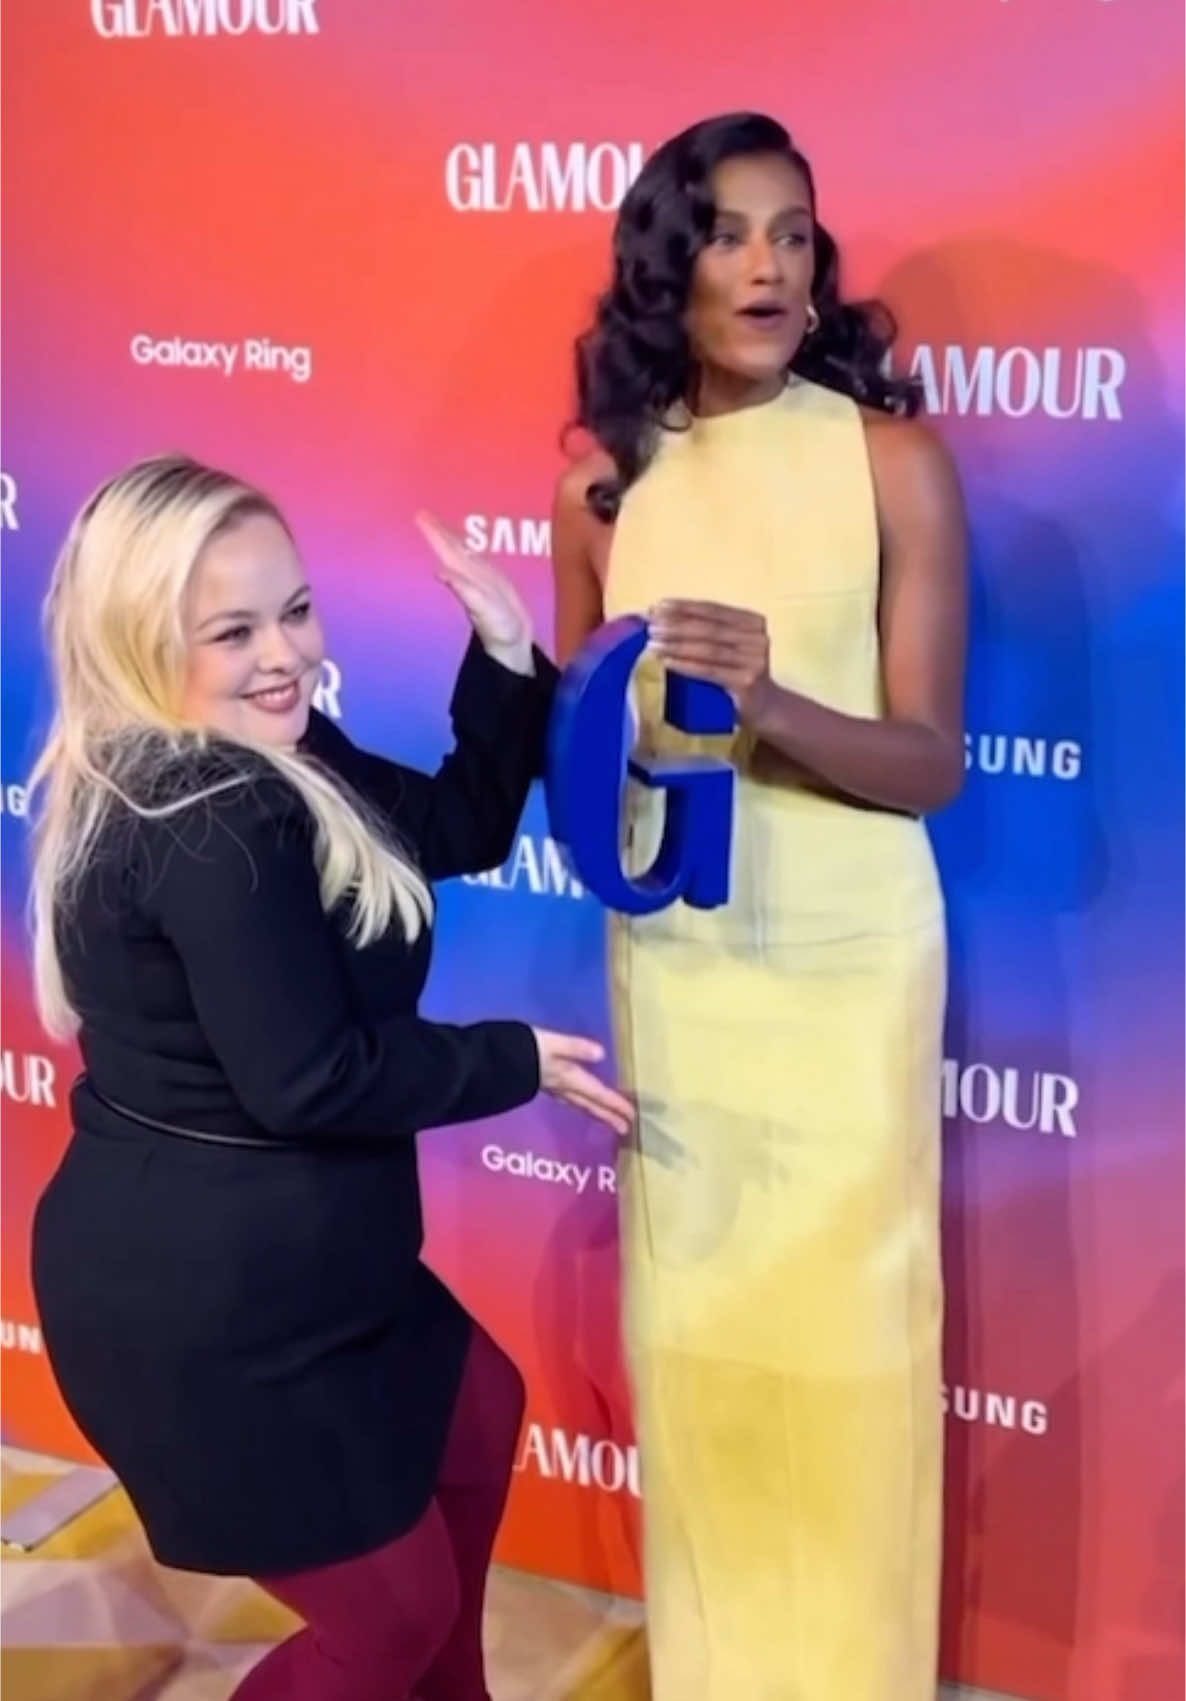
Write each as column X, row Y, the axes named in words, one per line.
column 404, row 1623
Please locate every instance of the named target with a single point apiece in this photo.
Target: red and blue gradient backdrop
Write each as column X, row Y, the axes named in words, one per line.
column 1008, row 173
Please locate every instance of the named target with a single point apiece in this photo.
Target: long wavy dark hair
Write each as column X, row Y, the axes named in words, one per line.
column 635, row 361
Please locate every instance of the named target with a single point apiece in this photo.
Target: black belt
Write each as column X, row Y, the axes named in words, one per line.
column 203, row 1136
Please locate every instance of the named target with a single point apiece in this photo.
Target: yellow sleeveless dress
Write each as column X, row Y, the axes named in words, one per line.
column 781, row 1206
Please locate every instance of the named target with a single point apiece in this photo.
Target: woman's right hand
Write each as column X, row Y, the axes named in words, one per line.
column 563, row 1075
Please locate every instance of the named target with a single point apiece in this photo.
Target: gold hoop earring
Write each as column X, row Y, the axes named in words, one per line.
column 812, row 319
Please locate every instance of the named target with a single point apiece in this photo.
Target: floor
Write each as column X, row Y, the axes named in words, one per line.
column 89, row 1616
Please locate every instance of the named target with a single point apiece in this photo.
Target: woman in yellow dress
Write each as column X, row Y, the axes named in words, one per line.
column 760, row 489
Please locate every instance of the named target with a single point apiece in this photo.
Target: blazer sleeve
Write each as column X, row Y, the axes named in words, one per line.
column 232, row 885
column 463, row 818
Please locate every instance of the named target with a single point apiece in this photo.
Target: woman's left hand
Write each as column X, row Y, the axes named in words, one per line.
column 726, row 646
column 496, row 611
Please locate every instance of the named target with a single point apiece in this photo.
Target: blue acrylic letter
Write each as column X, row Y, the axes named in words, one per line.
column 584, row 780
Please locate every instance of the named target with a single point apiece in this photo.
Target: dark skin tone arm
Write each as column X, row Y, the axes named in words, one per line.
column 912, row 758
column 580, row 556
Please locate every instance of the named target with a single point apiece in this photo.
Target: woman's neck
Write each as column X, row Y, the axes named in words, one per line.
column 715, row 391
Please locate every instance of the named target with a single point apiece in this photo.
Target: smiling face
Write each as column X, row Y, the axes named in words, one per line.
column 751, row 283
column 254, row 645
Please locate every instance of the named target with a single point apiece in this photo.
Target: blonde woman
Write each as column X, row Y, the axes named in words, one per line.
column 233, row 911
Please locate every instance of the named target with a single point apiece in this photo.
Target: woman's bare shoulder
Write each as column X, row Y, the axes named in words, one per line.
column 572, row 487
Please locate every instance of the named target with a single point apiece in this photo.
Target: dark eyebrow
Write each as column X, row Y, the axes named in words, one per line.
column 791, row 211
column 247, row 613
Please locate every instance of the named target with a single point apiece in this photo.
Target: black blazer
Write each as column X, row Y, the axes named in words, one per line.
column 216, row 993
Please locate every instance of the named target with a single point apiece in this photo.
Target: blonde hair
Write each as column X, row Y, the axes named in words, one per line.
column 114, row 628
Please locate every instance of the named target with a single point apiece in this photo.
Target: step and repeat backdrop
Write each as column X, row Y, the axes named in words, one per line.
column 343, row 248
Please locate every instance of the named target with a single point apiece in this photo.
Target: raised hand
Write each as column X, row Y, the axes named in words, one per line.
column 496, row 611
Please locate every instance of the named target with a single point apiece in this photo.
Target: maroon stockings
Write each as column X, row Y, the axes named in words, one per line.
column 404, row 1623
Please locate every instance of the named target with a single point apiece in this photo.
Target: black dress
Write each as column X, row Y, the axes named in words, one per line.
column 249, row 1336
